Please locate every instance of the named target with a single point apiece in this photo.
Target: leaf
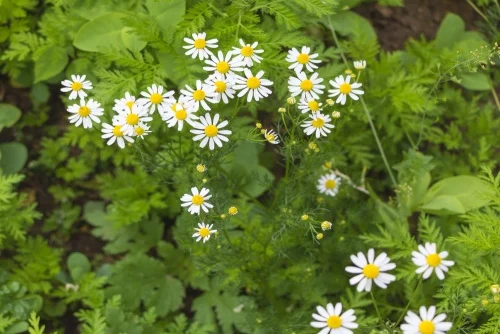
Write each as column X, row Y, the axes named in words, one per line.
column 475, row 81
column 50, row 60
column 78, row 265
column 167, row 15
column 350, row 23
column 450, row 31
column 14, row 156
column 102, row 33
column 131, row 40
column 9, row 115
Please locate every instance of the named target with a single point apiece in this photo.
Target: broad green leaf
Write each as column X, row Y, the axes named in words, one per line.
column 14, row 156
column 475, row 81
column 450, row 31
column 131, row 40
column 19, row 327
column 9, row 115
column 167, row 14
column 350, row 23
column 50, row 60
column 78, row 265
column 102, row 33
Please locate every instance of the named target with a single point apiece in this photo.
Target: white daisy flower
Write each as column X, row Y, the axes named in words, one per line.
column 342, row 87
column 329, row 184
column 203, row 232
column 125, row 103
column 115, row 133
column 247, row 53
column 130, row 118
column 371, row 270
column 302, row 59
column 201, row 95
column 223, row 87
column 307, row 88
column 428, row 260
column 198, row 46
column 271, row 136
column 360, row 64
column 85, row 113
column 142, row 130
column 312, row 105
column 223, row 66
column 77, row 86
column 319, row 123
column 197, row 201
column 178, row 114
column 210, row 132
column 253, row 85
column 155, row 98
column 427, row 323
column 333, row 321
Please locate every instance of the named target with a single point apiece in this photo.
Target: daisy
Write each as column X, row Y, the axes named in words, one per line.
column 371, row 270
column 319, row 123
column 302, row 59
column 333, row 321
column 115, row 133
column 253, row 85
column 201, row 95
column 308, row 88
column 223, row 87
column 426, row 323
column 312, row 105
column 76, row 86
column 429, row 260
column 197, row 200
column 203, row 232
column 155, row 98
column 247, row 53
column 130, row 118
column 271, row 136
column 141, row 130
column 224, row 66
column 210, row 132
column 198, row 46
column 329, row 184
column 360, row 64
column 343, row 87
column 178, row 114
column 85, row 113
column 125, row 103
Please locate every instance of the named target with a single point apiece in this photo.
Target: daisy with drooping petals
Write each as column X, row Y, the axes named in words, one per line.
column 333, row 321
column 85, row 112
column 76, row 86
column 125, row 103
column 271, row 136
column 429, row 260
column 155, row 98
column 130, row 118
column 329, row 184
column 198, row 46
column 371, row 270
column 210, row 132
column 197, row 201
column 247, row 53
column 312, row 105
column 203, row 232
column 307, row 88
column 319, row 124
column 253, row 85
column 427, row 323
column 223, row 87
column 342, row 87
column 223, row 66
column 178, row 114
column 360, row 64
column 115, row 134
column 200, row 95
column 302, row 59
column 141, row 130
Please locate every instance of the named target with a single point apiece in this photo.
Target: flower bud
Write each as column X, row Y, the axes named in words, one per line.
column 330, row 102
column 291, row 100
column 282, row 110
column 304, row 217
column 326, row 225
column 201, row 168
column 319, row 236
column 258, row 125
column 336, row 114
column 233, row 210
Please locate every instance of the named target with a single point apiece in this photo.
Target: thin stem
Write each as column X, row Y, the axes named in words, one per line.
column 481, row 14
column 217, row 10
column 227, row 236
column 495, row 96
column 409, row 302
column 337, row 41
column 376, row 307
column 180, row 146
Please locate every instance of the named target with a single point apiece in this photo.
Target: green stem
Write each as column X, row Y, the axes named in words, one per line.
column 495, row 96
column 180, row 146
column 337, row 41
column 482, row 14
column 227, row 236
column 217, row 10
column 409, row 302
column 376, row 307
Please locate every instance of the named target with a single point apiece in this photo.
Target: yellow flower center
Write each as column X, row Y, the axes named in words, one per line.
column 156, row 98
column 139, row 131
column 345, row 88
column 253, row 82
column 204, row 232
column 200, row 43
column 220, row 86
column 198, row 95
column 211, row 130
column 313, row 105
column 130, row 104
column 318, row 122
column 306, row 85
column 174, row 106
column 222, row 67
column 181, row 114
column 233, row 210
column 132, row 119
column 76, row 85
column 330, row 184
column 84, row 111
column 117, row 131
column 371, row 271
column 197, row 200
column 303, row 58
column 426, row 327
column 247, row 51
column 334, row 321
column 433, row 260
column 270, row 137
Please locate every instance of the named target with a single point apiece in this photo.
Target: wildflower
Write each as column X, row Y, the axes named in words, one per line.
column 307, row 88
column 326, row 225
column 426, row 323
column 319, row 123
column 302, row 59
column 223, row 216
column 223, row 88
column 198, row 46
column 371, row 270
column 330, row 102
column 204, row 180
column 247, row 53
column 85, row 113
column 115, row 133
column 328, row 165
column 77, row 86
column 291, row 100
column 271, row 137
column 333, row 321
column 360, row 64
column 312, row 105
column 428, row 260
column 253, row 85
column 178, row 114
column 201, row 168
column 141, row 130
column 258, row 125
column 223, row 66
column 319, row 236
column 281, row 110
column 156, row 99
column 233, row 210
column 312, row 146
column 329, row 184
column 485, row 302
column 336, row 114
column 125, row 103
column 304, row 217
column 342, row 87
column 203, row 231
column 348, row 71
column 197, row 201
column 201, row 95
column 210, row 132
column 130, row 118
column 495, row 289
